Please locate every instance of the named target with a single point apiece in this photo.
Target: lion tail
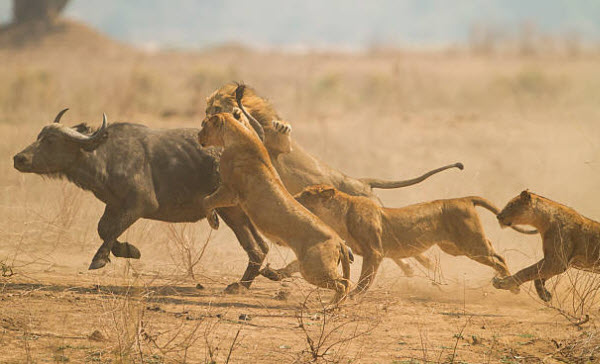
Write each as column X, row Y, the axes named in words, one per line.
column 382, row 183
column 486, row 204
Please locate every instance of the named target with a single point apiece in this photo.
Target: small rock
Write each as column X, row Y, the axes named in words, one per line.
column 155, row 308
column 199, row 286
column 282, row 295
column 245, row 317
column 96, row 336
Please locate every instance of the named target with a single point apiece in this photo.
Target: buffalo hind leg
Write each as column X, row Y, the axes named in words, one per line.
column 250, row 240
column 112, row 224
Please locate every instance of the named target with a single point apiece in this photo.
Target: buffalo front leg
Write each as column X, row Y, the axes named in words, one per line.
column 250, row 240
column 112, row 224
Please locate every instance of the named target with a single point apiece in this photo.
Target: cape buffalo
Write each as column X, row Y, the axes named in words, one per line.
column 138, row 172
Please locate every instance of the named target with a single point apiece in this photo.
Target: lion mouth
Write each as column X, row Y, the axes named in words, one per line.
column 503, row 223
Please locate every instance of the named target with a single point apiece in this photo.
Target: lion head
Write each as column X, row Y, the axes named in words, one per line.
column 223, row 100
column 277, row 137
column 518, row 211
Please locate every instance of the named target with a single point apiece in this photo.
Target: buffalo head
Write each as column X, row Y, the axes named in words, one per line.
column 58, row 147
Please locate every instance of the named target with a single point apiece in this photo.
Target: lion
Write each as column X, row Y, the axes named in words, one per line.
column 568, row 240
column 296, row 167
column 377, row 232
column 250, row 181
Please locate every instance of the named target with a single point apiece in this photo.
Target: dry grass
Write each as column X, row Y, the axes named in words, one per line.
column 515, row 120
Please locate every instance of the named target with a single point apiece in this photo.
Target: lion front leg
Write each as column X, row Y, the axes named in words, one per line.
column 222, row 197
column 369, row 269
column 542, row 270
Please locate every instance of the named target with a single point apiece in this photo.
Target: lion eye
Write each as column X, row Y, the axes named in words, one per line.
column 217, row 109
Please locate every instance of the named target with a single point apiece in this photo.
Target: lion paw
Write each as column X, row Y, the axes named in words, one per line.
column 507, row 283
column 281, row 126
column 236, row 288
column 273, row 274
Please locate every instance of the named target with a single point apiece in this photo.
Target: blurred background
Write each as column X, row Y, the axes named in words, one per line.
column 335, row 24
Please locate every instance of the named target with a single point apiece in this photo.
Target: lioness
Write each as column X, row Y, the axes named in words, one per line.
column 376, row 232
column 250, row 181
column 296, row 167
column 568, row 240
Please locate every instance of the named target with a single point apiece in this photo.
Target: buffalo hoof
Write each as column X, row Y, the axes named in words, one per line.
column 236, row 288
column 273, row 274
column 125, row 250
column 98, row 263
column 213, row 219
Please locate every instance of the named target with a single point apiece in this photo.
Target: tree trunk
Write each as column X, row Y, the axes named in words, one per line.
column 37, row 10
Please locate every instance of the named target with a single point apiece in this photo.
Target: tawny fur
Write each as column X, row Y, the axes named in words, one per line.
column 568, row 240
column 296, row 167
column 250, row 181
column 376, row 232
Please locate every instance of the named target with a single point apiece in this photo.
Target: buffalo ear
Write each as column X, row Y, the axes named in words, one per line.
column 96, row 143
column 82, row 128
column 526, row 195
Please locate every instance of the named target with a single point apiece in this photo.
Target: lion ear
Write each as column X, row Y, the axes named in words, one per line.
column 526, row 195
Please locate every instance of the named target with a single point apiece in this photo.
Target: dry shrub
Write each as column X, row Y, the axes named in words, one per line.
column 581, row 349
column 122, row 321
column 329, row 333
column 185, row 248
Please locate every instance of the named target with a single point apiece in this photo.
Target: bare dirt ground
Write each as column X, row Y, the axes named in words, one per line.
column 515, row 121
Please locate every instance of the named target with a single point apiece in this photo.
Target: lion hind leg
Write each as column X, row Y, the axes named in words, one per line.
column 406, row 268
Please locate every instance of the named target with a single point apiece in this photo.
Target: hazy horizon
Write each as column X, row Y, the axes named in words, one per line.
column 323, row 24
